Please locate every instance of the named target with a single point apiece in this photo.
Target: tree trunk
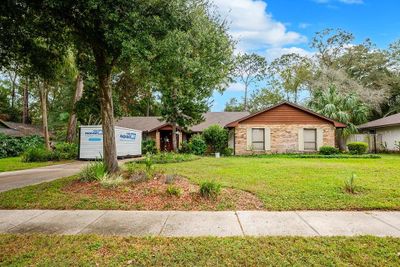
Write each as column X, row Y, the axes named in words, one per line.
column 245, row 98
column 341, row 141
column 25, row 110
column 148, row 105
column 174, row 143
column 43, row 91
column 72, row 122
column 13, row 85
column 107, row 112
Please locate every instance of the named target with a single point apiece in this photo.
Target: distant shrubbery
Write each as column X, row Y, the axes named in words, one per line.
column 357, row 148
column 15, row 146
column 216, row 137
column 149, row 146
column 166, row 157
column 328, row 150
column 62, row 151
column 196, row 145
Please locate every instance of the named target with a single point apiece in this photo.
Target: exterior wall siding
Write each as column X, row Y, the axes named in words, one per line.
column 284, row 138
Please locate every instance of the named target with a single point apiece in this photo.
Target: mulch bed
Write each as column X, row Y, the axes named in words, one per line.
column 152, row 195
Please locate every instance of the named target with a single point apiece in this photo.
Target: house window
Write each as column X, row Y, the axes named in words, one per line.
column 258, row 142
column 310, row 139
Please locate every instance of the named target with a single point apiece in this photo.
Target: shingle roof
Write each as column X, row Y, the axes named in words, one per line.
column 19, row 129
column 220, row 118
column 384, row 122
column 140, row 123
column 147, row 124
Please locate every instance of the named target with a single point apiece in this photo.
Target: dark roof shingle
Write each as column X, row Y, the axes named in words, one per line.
column 151, row 123
column 387, row 121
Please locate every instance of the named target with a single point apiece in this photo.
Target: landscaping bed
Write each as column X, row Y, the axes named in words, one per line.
column 160, row 194
column 92, row 250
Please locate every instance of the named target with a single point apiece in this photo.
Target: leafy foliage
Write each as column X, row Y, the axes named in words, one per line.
column 37, row 154
column 216, row 137
column 357, row 148
column 328, row 150
column 350, row 184
column 174, row 191
column 167, row 157
column 94, row 171
column 15, row 146
column 149, row 146
column 196, row 145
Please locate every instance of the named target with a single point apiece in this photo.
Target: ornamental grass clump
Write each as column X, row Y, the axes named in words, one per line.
column 210, row 189
column 94, row 171
column 174, row 191
column 350, row 184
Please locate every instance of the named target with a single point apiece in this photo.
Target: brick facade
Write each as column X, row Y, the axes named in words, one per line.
column 284, row 138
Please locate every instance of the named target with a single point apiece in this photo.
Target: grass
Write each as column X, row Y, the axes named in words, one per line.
column 92, row 250
column 15, row 163
column 303, row 183
column 280, row 183
column 163, row 158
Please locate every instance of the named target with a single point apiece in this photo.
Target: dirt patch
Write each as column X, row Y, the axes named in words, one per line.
column 152, row 195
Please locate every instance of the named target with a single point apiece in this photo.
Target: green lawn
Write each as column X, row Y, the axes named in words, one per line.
column 90, row 250
column 281, row 184
column 297, row 184
column 13, row 164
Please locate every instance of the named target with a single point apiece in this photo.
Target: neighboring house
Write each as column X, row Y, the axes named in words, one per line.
column 282, row 128
column 161, row 131
column 19, row 129
column 385, row 130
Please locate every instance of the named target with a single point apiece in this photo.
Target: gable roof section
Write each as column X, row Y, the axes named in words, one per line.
column 220, row 118
column 149, row 124
column 303, row 109
column 145, row 124
column 392, row 120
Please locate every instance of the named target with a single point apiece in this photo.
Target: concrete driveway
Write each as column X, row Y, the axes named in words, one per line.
column 17, row 179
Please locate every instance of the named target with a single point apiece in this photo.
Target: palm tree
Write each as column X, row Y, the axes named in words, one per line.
column 347, row 109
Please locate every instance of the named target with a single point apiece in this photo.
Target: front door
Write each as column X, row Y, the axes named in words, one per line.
column 166, row 141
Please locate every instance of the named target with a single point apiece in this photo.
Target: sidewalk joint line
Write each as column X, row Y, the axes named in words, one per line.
column 240, row 224
column 41, row 213
column 164, row 224
column 309, row 225
column 379, row 219
column 95, row 220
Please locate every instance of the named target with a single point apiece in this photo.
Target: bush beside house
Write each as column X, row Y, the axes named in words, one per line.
column 357, row 148
column 216, row 137
column 14, row 146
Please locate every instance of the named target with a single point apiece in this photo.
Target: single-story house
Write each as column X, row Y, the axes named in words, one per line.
column 17, row 129
column 282, row 128
column 386, row 131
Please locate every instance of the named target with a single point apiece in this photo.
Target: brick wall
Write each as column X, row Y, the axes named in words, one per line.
column 283, row 138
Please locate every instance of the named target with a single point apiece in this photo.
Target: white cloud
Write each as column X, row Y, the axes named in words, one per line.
column 254, row 27
column 348, row 2
column 275, row 52
column 304, row 25
column 236, row 87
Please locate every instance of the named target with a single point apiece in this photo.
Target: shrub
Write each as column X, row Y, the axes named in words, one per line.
column 174, row 191
column 185, row 148
column 66, row 150
column 216, row 137
column 15, row 146
column 197, row 145
column 37, row 154
column 94, row 171
column 357, row 148
column 149, row 146
column 328, row 150
column 111, row 180
column 210, row 189
column 227, row 151
column 350, row 185
column 168, row 157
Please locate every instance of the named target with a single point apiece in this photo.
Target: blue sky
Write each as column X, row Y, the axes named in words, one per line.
column 275, row 27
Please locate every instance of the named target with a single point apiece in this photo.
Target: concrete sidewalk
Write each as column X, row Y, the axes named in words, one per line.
column 21, row 178
column 201, row 223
